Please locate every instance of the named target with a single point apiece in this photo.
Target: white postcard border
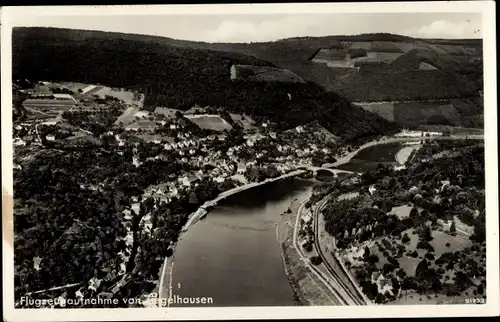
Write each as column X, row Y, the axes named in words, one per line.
column 13, row 16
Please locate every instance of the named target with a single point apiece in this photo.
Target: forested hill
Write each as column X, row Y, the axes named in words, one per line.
column 296, row 54
column 180, row 77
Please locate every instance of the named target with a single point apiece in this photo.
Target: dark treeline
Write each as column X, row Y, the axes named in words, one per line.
column 181, row 77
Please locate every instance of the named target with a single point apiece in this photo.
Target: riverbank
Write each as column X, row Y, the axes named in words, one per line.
column 385, row 140
column 165, row 282
column 403, row 154
column 308, row 289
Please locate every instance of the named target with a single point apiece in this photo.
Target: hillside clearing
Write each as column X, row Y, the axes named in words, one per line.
column 210, row 122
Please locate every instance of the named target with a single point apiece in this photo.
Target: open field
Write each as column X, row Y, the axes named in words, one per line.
column 125, row 96
column 384, row 109
column 263, row 74
column 455, row 112
column 401, row 211
column 209, row 122
column 457, row 243
column 336, row 61
column 74, row 86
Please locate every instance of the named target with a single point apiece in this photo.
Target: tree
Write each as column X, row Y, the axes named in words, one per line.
column 453, row 228
column 379, row 299
column 406, row 239
column 421, row 269
column 366, row 254
column 414, row 213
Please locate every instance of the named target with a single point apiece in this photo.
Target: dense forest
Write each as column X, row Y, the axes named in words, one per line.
column 181, row 77
column 62, row 196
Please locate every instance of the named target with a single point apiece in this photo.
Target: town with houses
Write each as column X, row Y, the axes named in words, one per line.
column 203, row 142
column 230, row 150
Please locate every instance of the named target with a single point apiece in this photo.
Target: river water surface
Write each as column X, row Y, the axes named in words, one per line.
column 233, row 256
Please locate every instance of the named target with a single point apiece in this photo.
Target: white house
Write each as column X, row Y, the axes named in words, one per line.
column 372, row 189
column 94, row 284
column 50, row 137
column 242, row 168
column 136, row 162
column 173, row 126
column 219, row 179
column 79, row 294
column 36, row 263
column 383, row 284
column 306, row 218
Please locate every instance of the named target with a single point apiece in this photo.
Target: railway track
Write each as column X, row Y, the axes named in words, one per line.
column 352, row 291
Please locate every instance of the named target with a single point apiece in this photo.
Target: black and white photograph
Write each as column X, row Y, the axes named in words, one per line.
column 233, row 157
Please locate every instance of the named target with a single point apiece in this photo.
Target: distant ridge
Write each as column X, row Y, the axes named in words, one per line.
column 180, row 76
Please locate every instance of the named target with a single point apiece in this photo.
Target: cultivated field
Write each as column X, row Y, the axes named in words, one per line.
column 210, row 122
column 128, row 97
column 337, row 62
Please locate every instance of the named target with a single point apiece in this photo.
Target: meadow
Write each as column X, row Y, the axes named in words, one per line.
column 210, row 122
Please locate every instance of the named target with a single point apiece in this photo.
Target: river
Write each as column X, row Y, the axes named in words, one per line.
column 233, row 257
column 370, row 157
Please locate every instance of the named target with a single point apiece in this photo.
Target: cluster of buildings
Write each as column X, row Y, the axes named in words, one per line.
column 416, row 134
